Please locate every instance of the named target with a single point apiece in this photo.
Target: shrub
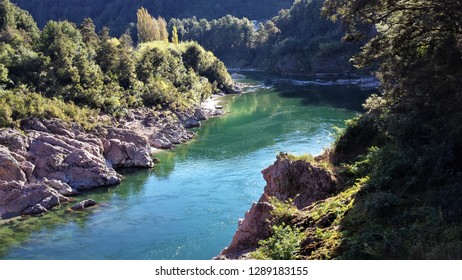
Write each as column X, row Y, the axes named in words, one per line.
column 283, row 211
column 284, row 244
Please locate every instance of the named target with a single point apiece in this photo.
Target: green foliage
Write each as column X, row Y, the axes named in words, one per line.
column 296, row 32
column 283, row 211
column 20, row 104
column 284, row 244
column 304, row 157
column 409, row 141
column 175, row 36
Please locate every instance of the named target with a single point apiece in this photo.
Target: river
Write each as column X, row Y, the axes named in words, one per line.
column 188, row 206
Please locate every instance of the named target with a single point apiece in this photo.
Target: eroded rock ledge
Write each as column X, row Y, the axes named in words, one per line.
column 48, row 160
column 299, row 180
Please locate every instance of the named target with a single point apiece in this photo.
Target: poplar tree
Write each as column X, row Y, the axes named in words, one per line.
column 175, row 36
column 163, row 33
column 148, row 27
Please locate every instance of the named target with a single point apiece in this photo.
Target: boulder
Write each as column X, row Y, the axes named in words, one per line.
column 122, row 154
column 61, row 187
column 14, row 140
column 34, row 210
column 129, row 136
column 192, row 122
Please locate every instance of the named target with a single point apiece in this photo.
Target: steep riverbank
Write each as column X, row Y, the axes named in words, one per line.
column 48, row 160
column 301, row 182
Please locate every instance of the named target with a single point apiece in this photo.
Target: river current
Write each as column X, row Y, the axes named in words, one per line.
column 189, row 205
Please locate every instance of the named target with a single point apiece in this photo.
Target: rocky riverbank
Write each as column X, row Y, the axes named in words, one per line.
column 300, row 181
column 47, row 160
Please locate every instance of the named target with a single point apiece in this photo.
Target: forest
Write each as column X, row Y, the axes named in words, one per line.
column 280, row 36
column 296, row 40
column 399, row 162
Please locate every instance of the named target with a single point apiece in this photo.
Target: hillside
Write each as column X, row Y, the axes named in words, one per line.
column 296, row 41
column 72, row 66
column 118, row 14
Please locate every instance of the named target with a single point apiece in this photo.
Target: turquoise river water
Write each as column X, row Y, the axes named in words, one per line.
column 188, row 206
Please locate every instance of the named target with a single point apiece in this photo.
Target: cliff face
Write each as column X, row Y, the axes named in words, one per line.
column 49, row 160
column 299, row 180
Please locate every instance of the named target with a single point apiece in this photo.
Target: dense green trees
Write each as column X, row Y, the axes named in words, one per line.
column 289, row 36
column 411, row 206
column 66, row 64
column 298, row 39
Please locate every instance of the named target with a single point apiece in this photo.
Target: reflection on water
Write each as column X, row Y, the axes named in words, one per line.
column 188, row 206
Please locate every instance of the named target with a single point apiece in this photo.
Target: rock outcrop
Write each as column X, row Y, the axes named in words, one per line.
column 301, row 181
column 60, row 152
column 19, row 198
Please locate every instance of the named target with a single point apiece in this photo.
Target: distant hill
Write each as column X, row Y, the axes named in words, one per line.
column 118, row 14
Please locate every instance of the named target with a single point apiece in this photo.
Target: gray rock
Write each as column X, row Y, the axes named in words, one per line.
column 61, row 187
column 129, row 136
column 79, row 164
column 15, row 198
column 14, row 140
column 126, row 154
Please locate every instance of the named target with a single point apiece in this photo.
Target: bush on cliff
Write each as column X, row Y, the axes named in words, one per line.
column 283, row 244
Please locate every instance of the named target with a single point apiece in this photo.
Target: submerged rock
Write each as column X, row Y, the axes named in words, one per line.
column 84, row 204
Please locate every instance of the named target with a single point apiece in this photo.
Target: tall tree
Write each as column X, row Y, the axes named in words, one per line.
column 148, row 26
column 89, row 36
column 175, row 36
column 163, row 33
